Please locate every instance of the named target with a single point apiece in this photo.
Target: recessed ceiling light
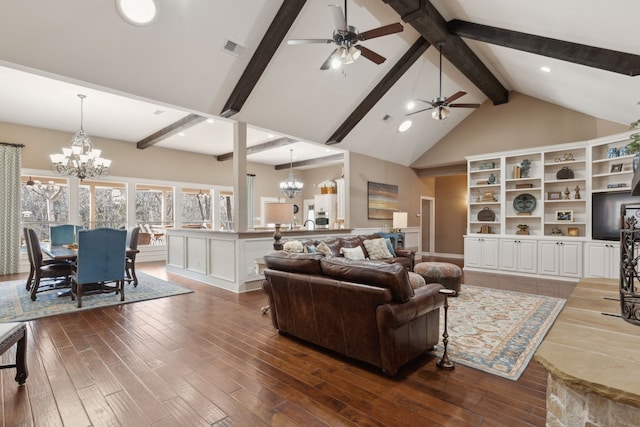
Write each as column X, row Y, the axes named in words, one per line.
column 410, row 105
column 546, row 69
column 270, row 135
column 209, row 121
column 181, row 134
column 137, row 12
column 404, row 126
column 158, row 112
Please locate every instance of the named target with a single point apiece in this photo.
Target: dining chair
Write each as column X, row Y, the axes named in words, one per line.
column 132, row 243
column 64, row 234
column 101, row 263
column 42, row 269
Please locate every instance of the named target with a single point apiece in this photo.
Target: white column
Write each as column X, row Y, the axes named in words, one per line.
column 240, row 176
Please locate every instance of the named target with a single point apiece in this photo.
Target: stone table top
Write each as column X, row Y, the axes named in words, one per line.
column 594, row 352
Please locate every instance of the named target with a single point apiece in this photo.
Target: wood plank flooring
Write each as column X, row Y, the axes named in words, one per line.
column 211, row 359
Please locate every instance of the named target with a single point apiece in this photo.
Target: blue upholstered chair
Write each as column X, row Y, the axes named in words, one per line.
column 100, row 266
column 56, row 272
column 64, row 234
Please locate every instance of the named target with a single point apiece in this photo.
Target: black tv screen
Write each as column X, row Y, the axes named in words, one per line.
column 605, row 214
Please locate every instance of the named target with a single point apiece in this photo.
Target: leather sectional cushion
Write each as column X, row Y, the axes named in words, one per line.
column 294, row 262
column 372, row 273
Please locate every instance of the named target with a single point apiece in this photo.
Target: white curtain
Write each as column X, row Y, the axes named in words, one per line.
column 10, row 162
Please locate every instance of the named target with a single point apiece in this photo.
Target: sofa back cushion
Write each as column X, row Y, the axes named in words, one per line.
column 294, row 262
column 372, row 273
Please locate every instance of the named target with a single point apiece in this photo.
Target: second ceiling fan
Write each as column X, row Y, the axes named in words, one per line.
column 440, row 104
column 347, row 37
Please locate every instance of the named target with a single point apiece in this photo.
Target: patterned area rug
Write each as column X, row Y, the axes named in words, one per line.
column 16, row 304
column 497, row 331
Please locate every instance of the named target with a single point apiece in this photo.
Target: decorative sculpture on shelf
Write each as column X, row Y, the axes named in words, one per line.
column 524, row 168
column 567, row 193
column 577, row 195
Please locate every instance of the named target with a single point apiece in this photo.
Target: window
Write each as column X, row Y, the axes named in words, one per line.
column 225, row 212
column 154, row 205
column 45, row 202
column 196, row 207
column 102, row 204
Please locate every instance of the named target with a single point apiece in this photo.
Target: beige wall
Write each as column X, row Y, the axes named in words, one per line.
column 362, row 169
column 522, row 122
column 163, row 164
column 451, row 213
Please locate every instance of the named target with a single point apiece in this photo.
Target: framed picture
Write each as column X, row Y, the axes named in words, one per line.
column 564, row 216
column 488, row 197
column 382, row 200
column 572, row 231
column 554, row 195
column 616, row 167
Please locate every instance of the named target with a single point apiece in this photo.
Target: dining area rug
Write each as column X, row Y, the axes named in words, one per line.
column 497, row 331
column 16, row 304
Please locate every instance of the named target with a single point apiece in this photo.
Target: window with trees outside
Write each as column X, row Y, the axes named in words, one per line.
column 45, row 201
column 121, row 203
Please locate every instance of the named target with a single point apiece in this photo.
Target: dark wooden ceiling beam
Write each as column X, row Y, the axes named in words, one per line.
column 279, row 27
column 604, row 59
column 182, row 124
column 387, row 82
column 311, row 162
column 426, row 19
column 280, row 142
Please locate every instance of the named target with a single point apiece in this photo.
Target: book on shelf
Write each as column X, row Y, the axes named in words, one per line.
column 516, row 172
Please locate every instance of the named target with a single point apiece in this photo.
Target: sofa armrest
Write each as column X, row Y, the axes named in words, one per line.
column 426, row 299
column 407, row 254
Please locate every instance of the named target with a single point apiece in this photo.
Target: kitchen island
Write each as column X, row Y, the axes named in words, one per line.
column 226, row 259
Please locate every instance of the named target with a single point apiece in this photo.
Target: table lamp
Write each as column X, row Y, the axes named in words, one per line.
column 278, row 213
column 400, row 222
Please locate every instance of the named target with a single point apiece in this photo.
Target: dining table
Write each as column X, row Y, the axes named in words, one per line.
column 68, row 253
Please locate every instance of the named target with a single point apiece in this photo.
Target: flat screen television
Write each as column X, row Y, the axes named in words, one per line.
column 605, row 214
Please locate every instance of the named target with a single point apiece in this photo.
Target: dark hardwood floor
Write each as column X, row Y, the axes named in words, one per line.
column 211, row 358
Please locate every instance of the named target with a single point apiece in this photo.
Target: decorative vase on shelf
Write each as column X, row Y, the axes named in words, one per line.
column 492, row 179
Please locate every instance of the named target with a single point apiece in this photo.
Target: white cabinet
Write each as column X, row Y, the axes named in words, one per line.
column 519, row 255
column 602, row 259
column 560, row 258
column 481, row 252
column 341, row 209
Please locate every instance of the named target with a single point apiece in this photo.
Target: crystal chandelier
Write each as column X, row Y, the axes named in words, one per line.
column 291, row 187
column 81, row 159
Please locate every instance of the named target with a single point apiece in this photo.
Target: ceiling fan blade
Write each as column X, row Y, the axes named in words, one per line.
column 338, row 17
column 456, row 96
column 381, row 31
column 371, row 55
column 464, row 105
column 419, row 111
column 327, row 64
column 309, row 41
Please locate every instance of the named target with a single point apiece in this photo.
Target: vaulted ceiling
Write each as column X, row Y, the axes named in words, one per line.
column 179, row 65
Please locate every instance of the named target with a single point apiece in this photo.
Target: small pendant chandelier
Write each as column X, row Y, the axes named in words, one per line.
column 291, row 187
column 81, row 159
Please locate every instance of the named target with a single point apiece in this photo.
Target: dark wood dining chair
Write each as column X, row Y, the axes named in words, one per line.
column 101, row 263
column 56, row 273
column 132, row 243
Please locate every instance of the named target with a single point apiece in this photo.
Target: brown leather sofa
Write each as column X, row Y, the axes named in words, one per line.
column 365, row 310
column 404, row 257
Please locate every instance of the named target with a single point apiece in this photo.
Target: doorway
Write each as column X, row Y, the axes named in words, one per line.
column 427, row 226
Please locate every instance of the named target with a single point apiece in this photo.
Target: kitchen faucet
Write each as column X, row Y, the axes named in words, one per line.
column 305, row 224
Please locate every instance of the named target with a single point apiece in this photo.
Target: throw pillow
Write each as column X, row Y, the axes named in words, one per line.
column 390, row 246
column 353, row 253
column 311, row 249
column 324, row 249
column 293, row 246
column 377, row 248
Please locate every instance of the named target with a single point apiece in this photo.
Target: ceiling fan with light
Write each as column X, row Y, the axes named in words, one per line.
column 440, row 104
column 347, row 37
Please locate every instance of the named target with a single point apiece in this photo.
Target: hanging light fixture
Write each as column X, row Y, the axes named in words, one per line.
column 81, row 159
column 291, row 187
